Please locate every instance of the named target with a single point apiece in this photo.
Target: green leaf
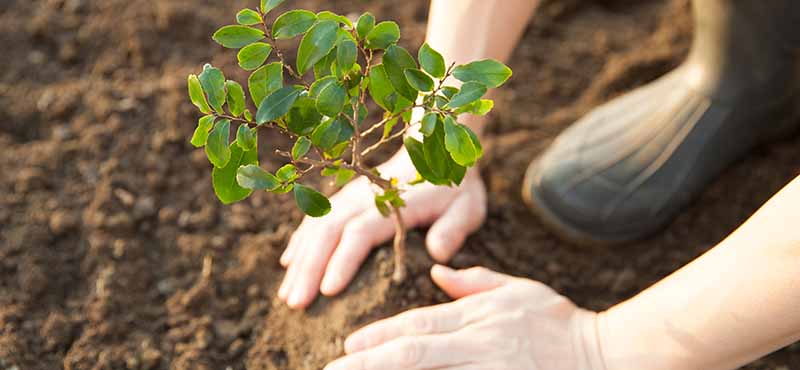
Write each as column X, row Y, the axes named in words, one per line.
column 436, row 155
column 301, row 147
column 322, row 68
column 431, row 61
column 343, row 176
column 234, row 37
column 196, row 94
column 303, row 117
column 248, row 17
column 217, row 145
column 235, row 98
column 293, row 23
column 287, row 173
column 459, row 143
column 488, row 72
column 331, row 16
column 388, row 127
column 265, row 81
column 417, row 154
column 316, row 44
column 254, row 55
column 365, row 23
column 254, row 177
column 395, row 61
column 310, row 201
column 247, row 115
column 224, row 179
column 331, row 99
column 204, row 125
column 331, row 133
column 449, row 91
column 213, row 82
column 429, row 123
column 346, row 55
column 475, row 141
column 246, row 137
column 481, row 107
column 268, row 5
column 383, row 35
column 470, row 92
column 419, row 79
column 320, row 85
column 380, row 87
column 277, row 104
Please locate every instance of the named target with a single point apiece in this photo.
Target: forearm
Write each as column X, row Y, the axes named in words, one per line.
column 468, row 30
column 734, row 304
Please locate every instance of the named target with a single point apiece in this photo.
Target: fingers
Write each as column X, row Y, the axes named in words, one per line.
column 359, row 236
column 439, row 319
column 463, row 217
column 462, row 283
column 411, row 353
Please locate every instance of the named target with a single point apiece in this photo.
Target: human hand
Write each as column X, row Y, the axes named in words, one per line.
column 498, row 322
column 325, row 253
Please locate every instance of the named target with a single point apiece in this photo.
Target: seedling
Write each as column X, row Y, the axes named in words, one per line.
column 353, row 65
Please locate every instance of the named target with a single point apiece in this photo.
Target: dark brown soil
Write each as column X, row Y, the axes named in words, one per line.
column 115, row 254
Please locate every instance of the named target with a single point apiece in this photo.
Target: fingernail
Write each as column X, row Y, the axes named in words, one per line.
column 294, row 299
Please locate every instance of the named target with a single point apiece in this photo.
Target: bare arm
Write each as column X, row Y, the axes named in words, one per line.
column 734, row 304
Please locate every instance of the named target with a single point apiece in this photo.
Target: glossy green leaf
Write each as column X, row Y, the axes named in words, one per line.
column 248, row 17
column 436, row 155
column 217, row 150
column 196, row 94
column 419, row 79
column 380, row 87
column 323, row 67
column 480, row 107
column 224, row 179
column 488, row 72
column 327, row 15
column 246, row 138
column 343, row 176
column 431, row 61
column 293, row 23
column 388, row 127
column 395, row 61
column 254, row 177
column 254, row 55
column 264, row 81
column 449, row 91
column 247, row 115
column 428, row 123
column 301, row 147
column 346, row 55
column 234, row 37
column 470, row 92
column 320, row 85
column 459, row 143
column 310, row 201
column 365, row 23
column 416, row 152
column 213, row 82
column 268, row 5
column 382, row 35
column 235, row 98
column 303, row 117
column 277, row 104
column 316, row 44
column 287, row 173
column 331, row 99
column 204, row 125
column 331, row 133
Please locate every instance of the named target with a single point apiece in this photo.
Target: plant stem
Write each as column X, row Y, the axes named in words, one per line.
column 399, row 246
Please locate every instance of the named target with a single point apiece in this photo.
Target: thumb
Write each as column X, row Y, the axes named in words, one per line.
column 461, row 283
column 447, row 234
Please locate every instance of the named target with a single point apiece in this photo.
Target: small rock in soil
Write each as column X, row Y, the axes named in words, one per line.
column 144, row 207
column 63, row 221
column 167, row 215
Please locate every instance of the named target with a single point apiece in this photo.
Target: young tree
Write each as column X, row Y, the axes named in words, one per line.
column 326, row 117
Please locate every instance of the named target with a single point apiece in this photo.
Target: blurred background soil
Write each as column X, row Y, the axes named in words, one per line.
column 115, row 253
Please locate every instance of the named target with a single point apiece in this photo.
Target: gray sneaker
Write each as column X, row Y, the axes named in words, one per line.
column 630, row 166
